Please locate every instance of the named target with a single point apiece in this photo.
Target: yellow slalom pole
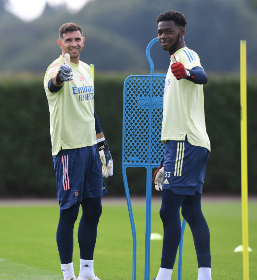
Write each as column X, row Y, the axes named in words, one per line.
column 244, row 168
column 92, row 67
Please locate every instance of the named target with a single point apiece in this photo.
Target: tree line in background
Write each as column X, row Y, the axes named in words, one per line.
column 118, row 32
column 26, row 162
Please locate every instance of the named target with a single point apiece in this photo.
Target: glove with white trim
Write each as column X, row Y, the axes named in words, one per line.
column 106, row 158
column 64, row 74
column 158, row 177
column 179, row 71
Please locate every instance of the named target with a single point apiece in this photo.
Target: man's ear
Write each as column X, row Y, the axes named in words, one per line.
column 182, row 31
column 59, row 42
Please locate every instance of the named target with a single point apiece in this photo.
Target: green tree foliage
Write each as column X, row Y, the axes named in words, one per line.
column 118, row 32
column 26, row 162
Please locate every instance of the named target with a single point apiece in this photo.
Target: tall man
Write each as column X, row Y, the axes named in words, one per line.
column 77, row 141
column 181, row 174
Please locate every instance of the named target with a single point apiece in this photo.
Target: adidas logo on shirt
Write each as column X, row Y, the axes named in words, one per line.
column 166, row 182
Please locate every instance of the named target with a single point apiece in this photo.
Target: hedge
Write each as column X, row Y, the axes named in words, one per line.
column 26, row 162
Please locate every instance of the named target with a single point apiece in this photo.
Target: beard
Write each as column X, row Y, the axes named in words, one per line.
column 173, row 48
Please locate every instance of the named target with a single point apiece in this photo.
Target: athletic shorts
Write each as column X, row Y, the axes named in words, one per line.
column 78, row 175
column 184, row 167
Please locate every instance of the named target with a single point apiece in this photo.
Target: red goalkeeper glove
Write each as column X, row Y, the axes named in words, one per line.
column 179, row 70
column 156, row 171
column 158, row 176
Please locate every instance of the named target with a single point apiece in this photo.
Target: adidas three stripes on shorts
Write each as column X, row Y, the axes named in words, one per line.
column 78, row 175
column 184, row 167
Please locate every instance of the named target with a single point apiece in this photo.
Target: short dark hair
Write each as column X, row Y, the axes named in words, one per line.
column 69, row 27
column 177, row 17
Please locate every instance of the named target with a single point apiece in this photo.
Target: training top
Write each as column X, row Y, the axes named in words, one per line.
column 183, row 105
column 72, row 122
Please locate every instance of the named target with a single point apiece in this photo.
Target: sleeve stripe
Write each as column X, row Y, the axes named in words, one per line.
column 187, row 55
column 189, row 52
column 190, row 55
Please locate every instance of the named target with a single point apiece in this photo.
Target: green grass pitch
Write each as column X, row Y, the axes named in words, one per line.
column 28, row 248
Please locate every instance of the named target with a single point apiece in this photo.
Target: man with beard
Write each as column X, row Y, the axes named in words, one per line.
column 77, row 140
column 181, row 174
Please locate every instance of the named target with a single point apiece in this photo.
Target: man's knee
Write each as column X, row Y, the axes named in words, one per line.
column 92, row 208
column 190, row 213
column 70, row 215
column 168, row 213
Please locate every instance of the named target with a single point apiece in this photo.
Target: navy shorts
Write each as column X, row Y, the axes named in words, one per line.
column 78, row 175
column 184, row 167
